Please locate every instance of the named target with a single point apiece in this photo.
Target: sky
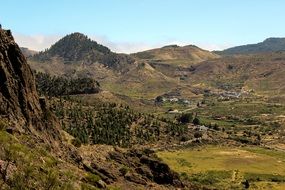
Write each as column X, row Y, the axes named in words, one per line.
column 134, row 25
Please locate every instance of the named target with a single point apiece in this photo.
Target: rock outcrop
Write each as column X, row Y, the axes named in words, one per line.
column 19, row 101
column 144, row 167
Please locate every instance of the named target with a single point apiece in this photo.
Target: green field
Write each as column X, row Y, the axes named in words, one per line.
column 229, row 167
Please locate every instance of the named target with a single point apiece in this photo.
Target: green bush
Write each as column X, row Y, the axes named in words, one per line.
column 3, row 124
column 92, row 179
column 186, row 118
column 196, row 121
column 264, row 177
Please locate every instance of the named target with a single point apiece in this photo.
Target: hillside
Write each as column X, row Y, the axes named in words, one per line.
column 268, row 45
column 261, row 73
column 163, row 70
column 141, row 81
column 190, row 53
column 173, row 61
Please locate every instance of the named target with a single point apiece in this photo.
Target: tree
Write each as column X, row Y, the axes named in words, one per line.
column 196, row 121
column 186, row 118
column 198, row 134
column 159, row 99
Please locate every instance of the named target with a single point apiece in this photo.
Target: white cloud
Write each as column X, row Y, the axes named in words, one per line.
column 121, row 47
column 212, row 47
column 41, row 42
column 36, row 42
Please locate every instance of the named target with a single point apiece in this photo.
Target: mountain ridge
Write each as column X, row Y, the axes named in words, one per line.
column 272, row 44
column 172, row 52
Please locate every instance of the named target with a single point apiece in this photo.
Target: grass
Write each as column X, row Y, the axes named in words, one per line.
column 227, row 167
column 34, row 166
column 254, row 116
column 241, row 108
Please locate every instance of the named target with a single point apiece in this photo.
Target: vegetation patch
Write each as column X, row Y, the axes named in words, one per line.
column 228, row 167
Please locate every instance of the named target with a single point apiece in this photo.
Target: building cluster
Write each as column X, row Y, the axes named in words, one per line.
column 173, row 100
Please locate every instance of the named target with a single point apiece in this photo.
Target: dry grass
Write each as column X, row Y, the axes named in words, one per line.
column 246, row 161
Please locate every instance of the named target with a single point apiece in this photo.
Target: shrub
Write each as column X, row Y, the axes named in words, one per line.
column 92, row 179
column 76, row 142
column 198, row 135
column 3, row 124
column 196, row 121
column 124, row 170
column 186, row 118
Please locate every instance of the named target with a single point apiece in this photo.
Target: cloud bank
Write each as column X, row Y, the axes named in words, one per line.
column 41, row 42
column 36, row 42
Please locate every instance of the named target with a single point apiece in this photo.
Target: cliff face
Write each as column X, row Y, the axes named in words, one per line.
column 19, row 100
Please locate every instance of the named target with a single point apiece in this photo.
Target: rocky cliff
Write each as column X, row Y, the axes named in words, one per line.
column 19, row 101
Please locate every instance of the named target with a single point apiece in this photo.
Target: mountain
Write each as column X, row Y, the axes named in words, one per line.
column 78, row 48
column 27, row 52
column 148, row 74
column 268, row 45
column 173, row 52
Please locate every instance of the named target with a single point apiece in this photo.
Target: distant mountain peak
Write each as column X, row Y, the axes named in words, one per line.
column 79, row 48
column 268, row 45
column 191, row 53
column 75, row 46
column 273, row 40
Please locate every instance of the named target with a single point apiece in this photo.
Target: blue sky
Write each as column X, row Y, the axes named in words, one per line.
column 134, row 25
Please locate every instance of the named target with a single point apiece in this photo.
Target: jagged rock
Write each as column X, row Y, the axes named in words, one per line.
column 6, row 169
column 119, row 157
column 75, row 156
column 101, row 184
column 145, row 166
column 93, row 171
column 43, row 103
column 144, row 171
column 132, row 177
column 104, row 171
column 10, row 130
column 161, row 172
column 18, row 96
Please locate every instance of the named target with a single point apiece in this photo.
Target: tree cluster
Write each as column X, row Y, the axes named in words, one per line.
column 114, row 125
column 58, row 86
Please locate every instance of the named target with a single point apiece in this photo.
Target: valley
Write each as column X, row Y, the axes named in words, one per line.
column 213, row 119
column 79, row 116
